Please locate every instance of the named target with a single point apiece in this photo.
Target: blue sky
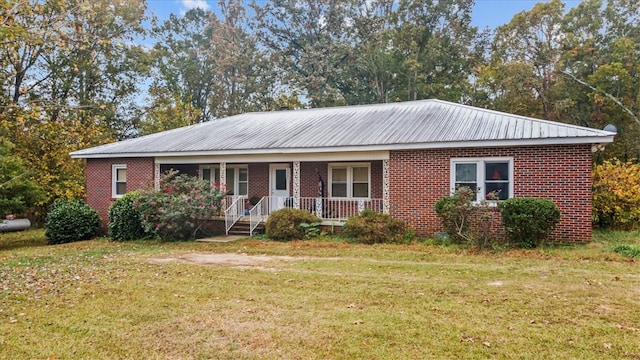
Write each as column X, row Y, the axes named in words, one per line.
column 486, row 13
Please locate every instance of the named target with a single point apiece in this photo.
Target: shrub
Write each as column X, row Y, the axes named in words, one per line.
column 371, row 227
column 528, row 221
column 180, row 209
column 285, row 224
column 70, row 220
column 125, row 220
column 468, row 222
column 616, row 199
column 455, row 213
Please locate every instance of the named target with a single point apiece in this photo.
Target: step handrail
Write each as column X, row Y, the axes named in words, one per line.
column 232, row 214
column 256, row 215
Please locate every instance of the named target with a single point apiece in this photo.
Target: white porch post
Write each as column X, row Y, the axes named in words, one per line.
column 156, row 176
column 223, row 185
column 296, row 184
column 223, row 177
column 385, row 186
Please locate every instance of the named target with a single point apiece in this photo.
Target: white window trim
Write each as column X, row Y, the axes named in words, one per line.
column 234, row 167
column 349, row 166
column 114, row 179
column 480, row 174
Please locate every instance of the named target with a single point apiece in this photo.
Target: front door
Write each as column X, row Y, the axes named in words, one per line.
column 279, row 180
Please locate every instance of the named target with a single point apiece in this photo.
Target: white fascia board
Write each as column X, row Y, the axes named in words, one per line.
column 274, row 158
column 304, row 154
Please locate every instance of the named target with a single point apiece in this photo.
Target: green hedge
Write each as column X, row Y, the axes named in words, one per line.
column 125, row 219
column 371, row 227
column 528, row 221
column 70, row 220
column 284, row 224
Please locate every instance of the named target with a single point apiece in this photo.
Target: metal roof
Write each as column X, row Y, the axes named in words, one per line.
column 403, row 125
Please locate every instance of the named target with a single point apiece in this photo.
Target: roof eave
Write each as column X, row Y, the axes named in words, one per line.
column 600, row 139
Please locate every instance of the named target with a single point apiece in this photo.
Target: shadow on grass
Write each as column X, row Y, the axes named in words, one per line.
column 22, row 239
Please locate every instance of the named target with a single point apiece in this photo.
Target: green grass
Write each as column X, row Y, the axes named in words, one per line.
column 334, row 300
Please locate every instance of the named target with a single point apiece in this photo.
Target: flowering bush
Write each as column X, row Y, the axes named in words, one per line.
column 180, row 208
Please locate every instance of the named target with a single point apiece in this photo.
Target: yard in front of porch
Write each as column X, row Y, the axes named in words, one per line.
column 316, row 299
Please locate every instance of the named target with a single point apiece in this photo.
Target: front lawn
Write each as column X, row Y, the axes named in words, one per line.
column 321, row 299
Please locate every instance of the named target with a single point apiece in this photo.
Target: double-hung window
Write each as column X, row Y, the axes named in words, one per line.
column 350, row 180
column 118, row 180
column 237, row 182
column 492, row 178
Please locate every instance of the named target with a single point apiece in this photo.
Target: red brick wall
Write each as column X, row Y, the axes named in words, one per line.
column 258, row 179
column 376, row 179
column 99, row 177
column 309, row 182
column 561, row 173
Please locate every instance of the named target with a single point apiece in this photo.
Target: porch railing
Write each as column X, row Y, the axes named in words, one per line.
column 257, row 214
column 324, row 208
column 334, row 209
column 339, row 209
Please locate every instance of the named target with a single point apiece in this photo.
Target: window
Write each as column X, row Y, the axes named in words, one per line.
column 490, row 176
column 118, row 180
column 350, row 180
column 237, row 178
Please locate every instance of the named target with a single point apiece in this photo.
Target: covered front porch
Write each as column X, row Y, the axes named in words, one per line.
column 330, row 211
column 333, row 189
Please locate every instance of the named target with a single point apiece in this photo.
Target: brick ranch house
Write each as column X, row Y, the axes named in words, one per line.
column 397, row 158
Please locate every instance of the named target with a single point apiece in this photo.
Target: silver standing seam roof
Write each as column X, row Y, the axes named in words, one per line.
column 423, row 124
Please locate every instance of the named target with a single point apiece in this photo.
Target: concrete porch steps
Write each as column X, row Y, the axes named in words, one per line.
column 242, row 227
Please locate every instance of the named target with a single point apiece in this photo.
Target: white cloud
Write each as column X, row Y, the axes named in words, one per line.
column 192, row 4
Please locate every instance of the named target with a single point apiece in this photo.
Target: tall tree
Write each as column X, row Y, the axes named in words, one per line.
column 369, row 76
column 310, row 43
column 68, row 76
column 361, row 51
column 435, row 41
column 183, row 61
column 601, row 70
column 524, row 57
column 244, row 74
column 211, row 63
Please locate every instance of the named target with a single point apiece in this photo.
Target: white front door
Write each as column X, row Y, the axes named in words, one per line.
column 279, row 179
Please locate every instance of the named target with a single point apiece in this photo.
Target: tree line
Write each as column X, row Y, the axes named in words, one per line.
column 79, row 73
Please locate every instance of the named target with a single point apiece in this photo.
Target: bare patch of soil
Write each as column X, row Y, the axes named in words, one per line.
column 226, row 259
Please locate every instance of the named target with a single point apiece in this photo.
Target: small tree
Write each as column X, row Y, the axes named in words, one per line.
column 528, row 221
column 616, row 199
column 180, row 209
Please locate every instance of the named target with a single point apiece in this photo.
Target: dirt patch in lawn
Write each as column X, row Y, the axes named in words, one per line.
column 226, row 259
